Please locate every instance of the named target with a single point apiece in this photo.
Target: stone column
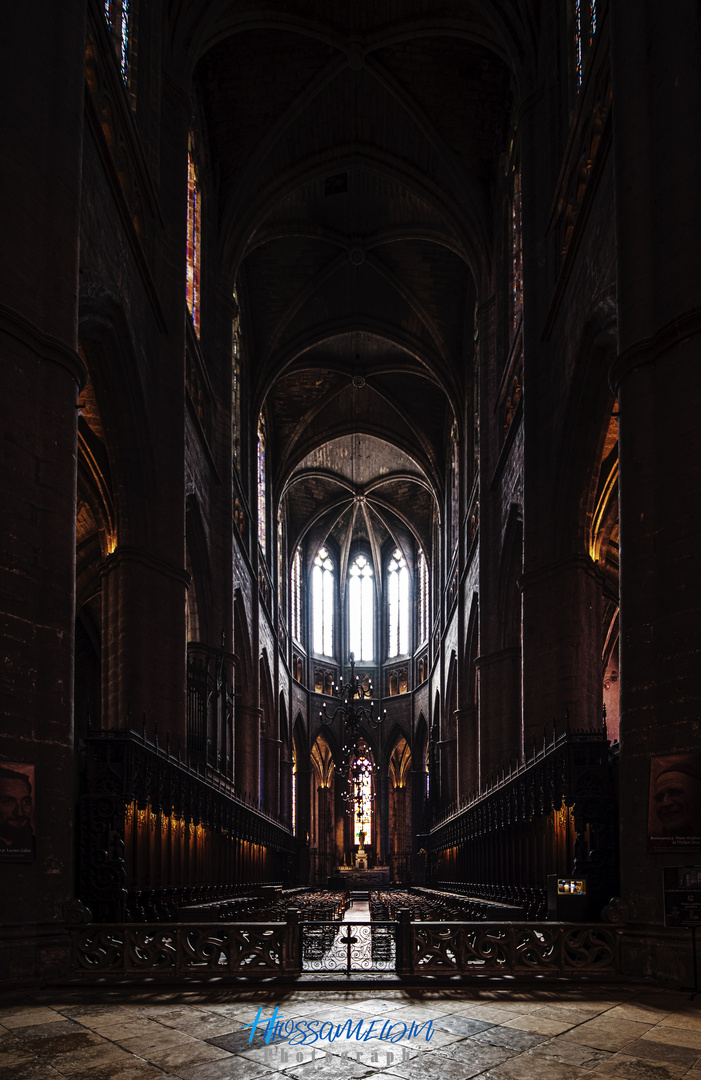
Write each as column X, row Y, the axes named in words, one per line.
column 468, row 751
column 271, row 779
column 248, row 752
column 286, row 781
column 139, row 658
column 657, row 376
column 500, row 727
column 303, row 818
column 41, row 194
column 562, row 646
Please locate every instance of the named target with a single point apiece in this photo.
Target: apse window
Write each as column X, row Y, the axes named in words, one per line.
column 194, row 239
column 423, row 598
column 296, row 595
column 118, row 19
column 261, row 484
column 585, row 22
column 294, row 791
column 361, row 609
column 236, row 380
column 361, row 779
column 398, row 604
column 322, row 603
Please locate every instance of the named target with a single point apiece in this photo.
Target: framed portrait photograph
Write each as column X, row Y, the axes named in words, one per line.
column 674, row 808
column 17, row 832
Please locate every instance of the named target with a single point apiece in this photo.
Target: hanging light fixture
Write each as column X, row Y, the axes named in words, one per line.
column 357, row 708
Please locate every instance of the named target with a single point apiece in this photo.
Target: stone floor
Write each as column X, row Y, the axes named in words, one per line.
column 555, row 1034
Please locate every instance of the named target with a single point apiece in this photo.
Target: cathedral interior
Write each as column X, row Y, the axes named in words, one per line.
column 351, row 464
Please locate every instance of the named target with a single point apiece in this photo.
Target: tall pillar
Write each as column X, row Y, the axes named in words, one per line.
column 286, row 781
column 657, row 376
column 500, row 726
column 382, row 850
column 303, row 803
column 468, row 751
column 42, row 161
column 271, row 778
column 562, row 646
column 248, row 752
column 139, row 659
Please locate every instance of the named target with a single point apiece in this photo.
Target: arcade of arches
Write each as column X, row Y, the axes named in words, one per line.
column 338, row 329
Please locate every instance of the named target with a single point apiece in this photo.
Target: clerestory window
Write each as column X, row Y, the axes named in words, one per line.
column 398, row 604
column 261, row 484
column 322, row 603
column 194, row 238
column 118, row 16
column 296, row 596
column 361, row 609
column 422, row 574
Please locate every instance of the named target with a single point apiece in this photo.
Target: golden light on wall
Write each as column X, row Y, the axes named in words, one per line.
column 604, row 517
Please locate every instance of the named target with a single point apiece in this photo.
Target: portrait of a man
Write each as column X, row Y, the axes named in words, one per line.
column 674, row 816
column 17, row 836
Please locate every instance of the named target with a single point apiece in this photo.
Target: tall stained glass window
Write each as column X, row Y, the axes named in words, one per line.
column 361, row 609
column 578, row 41
column 398, row 604
column 361, row 778
column 422, row 574
column 236, row 381
column 585, row 21
column 296, row 595
column 454, row 491
column 124, row 52
column 294, row 791
column 194, row 239
column 516, row 251
column 261, row 484
column 322, row 603
column 118, row 18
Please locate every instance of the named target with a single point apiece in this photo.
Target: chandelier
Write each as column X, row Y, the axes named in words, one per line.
column 356, row 709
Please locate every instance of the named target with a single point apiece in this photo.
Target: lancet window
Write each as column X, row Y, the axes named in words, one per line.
column 236, row 381
column 194, row 238
column 118, row 15
column 361, row 609
column 398, row 604
column 322, row 603
column 361, row 779
column 422, row 574
column 296, row 596
column 261, row 484
column 585, row 22
column 516, row 251
column 453, row 494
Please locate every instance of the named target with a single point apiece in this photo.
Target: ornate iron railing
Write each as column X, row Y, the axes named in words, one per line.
column 292, row 948
column 348, row 948
column 180, row 949
column 513, row 949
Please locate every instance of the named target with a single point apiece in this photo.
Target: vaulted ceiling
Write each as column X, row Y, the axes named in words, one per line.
column 355, row 148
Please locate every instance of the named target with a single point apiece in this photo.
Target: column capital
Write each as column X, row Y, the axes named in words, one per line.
column 126, row 553
column 577, row 561
column 646, row 350
column 43, row 346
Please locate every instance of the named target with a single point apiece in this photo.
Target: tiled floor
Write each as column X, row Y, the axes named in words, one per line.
column 564, row 1034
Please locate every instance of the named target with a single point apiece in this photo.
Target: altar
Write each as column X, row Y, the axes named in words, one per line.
column 352, row 878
